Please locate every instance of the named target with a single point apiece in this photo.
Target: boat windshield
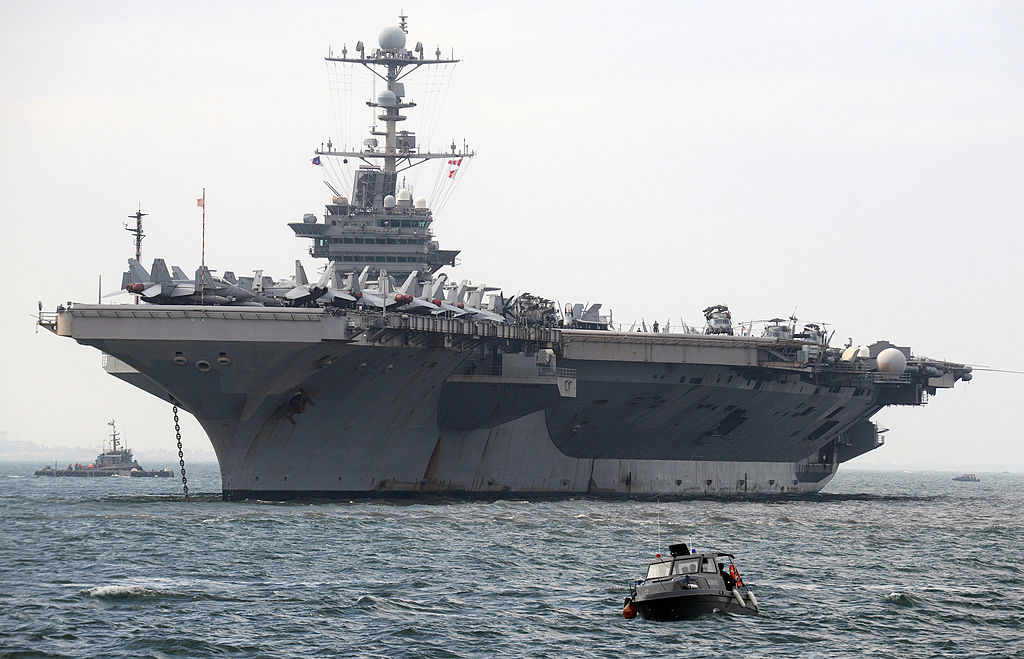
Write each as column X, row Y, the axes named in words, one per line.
column 656, row 570
column 709, row 566
column 685, row 566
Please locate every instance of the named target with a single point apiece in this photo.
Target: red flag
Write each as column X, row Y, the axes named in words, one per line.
column 451, row 173
column 199, row 202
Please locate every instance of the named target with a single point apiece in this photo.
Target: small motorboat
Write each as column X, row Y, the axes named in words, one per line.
column 689, row 584
column 968, row 478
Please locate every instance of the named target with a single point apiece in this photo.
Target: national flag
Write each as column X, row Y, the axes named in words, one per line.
column 201, row 202
column 316, row 161
column 451, row 173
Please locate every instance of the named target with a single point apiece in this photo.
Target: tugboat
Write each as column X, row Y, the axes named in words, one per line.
column 687, row 585
column 115, row 462
column 967, row 478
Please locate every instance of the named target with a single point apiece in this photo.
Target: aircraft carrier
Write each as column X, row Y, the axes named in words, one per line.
column 356, row 386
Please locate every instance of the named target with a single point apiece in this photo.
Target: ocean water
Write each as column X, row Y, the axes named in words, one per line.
column 885, row 564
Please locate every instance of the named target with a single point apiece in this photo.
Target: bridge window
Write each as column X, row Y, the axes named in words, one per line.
column 689, row 566
column 657, row 570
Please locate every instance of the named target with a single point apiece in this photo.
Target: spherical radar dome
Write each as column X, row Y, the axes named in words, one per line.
column 892, row 361
column 391, row 38
column 404, row 195
column 387, row 98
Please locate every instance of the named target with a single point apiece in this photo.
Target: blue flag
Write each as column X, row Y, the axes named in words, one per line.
column 316, row 161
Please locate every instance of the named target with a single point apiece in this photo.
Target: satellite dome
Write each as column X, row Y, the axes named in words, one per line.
column 421, row 202
column 404, row 194
column 892, row 362
column 387, row 98
column 864, row 352
column 391, row 38
column 389, row 201
column 309, row 218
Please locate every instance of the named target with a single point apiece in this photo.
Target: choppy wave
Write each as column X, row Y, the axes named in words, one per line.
column 130, row 592
column 865, row 570
column 901, row 598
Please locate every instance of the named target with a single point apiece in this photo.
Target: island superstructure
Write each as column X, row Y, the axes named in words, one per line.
column 386, row 378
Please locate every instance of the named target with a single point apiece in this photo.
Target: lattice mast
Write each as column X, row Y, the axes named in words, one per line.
column 392, row 63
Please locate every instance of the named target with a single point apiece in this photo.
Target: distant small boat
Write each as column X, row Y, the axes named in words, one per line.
column 967, row 478
column 115, row 462
column 687, row 585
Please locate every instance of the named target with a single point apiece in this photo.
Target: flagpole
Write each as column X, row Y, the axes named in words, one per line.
column 202, row 255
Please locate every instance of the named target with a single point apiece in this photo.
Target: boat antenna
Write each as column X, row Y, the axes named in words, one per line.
column 137, row 232
column 658, row 548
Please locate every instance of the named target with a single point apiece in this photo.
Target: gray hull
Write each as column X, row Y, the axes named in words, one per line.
column 301, row 403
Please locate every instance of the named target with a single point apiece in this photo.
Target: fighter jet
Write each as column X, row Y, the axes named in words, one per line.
column 158, row 287
column 425, row 298
column 475, row 305
column 382, row 297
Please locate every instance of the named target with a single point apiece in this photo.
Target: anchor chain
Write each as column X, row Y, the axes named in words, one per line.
column 181, row 454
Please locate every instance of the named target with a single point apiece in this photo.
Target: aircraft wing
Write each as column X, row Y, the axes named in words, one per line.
column 372, row 300
column 445, row 307
column 337, row 294
column 298, row 292
column 420, row 303
column 180, row 289
column 485, row 315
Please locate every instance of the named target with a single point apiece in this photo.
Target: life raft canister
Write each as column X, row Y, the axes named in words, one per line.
column 735, row 574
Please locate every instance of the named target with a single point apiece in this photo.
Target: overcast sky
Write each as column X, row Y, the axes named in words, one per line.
column 859, row 162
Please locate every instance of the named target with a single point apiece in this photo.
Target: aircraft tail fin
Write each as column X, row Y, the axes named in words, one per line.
column 136, row 273
column 300, row 274
column 437, row 293
column 178, row 273
column 203, row 279
column 229, row 277
column 325, row 278
column 160, row 274
column 410, row 282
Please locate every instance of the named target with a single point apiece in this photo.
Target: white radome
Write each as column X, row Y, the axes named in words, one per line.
column 387, row 98
column 892, row 361
column 389, row 201
column 421, row 202
column 404, row 195
column 391, row 38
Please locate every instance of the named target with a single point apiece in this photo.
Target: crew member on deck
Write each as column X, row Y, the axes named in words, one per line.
column 730, row 583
